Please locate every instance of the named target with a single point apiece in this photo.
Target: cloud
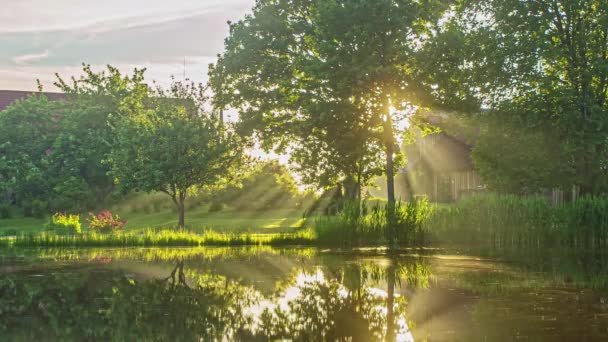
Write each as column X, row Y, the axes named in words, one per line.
column 30, row 58
column 43, row 15
column 24, row 77
column 39, row 37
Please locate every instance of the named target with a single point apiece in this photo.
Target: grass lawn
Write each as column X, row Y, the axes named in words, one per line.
column 197, row 219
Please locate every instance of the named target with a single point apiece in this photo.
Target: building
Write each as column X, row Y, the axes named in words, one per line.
column 8, row 97
column 439, row 165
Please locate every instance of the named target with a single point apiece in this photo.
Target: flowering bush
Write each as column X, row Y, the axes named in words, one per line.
column 63, row 224
column 105, row 222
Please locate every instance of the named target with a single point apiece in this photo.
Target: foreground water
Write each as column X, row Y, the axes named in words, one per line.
column 300, row 294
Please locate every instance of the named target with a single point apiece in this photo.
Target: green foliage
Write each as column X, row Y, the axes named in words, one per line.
column 541, row 69
column 39, row 208
column 215, row 207
column 28, row 129
column 172, row 145
column 62, row 224
column 105, row 222
column 513, row 159
column 53, row 151
column 10, row 232
column 318, row 78
column 6, row 211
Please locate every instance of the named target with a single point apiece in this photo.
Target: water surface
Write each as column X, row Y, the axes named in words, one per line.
column 261, row 294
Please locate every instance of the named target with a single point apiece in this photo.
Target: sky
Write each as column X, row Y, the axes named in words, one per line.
column 39, row 38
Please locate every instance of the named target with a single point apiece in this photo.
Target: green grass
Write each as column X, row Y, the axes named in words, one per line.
column 197, row 220
column 22, row 225
column 152, row 222
column 151, row 238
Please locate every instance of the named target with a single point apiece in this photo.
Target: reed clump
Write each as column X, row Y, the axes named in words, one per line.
column 361, row 225
column 518, row 221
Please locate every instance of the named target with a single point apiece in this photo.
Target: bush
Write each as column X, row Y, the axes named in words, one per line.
column 157, row 206
column 105, row 222
column 39, row 208
column 5, row 211
column 63, row 224
column 215, row 207
column 10, row 232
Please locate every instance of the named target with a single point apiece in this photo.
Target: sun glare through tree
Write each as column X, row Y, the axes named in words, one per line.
column 304, row 170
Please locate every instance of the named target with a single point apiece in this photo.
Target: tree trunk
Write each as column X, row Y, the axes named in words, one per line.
column 180, row 223
column 350, row 188
column 390, row 177
column 179, row 198
column 181, row 209
column 359, row 186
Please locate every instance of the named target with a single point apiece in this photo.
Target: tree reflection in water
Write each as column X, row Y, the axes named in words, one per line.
column 344, row 306
column 107, row 305
column 337, row 302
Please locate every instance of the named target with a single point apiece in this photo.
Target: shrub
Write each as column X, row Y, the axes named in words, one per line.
column 10, row 232
column 63, row 224
column 39, row 208
column 5, row 211
column 27, row 209
column 134, row 209
column 215, row 207
column 105, row 222
column 157, row 206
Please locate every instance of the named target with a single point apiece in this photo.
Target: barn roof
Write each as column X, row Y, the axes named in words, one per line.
column 8, row 97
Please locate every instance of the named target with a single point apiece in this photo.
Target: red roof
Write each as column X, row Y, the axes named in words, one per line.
column 7, row 97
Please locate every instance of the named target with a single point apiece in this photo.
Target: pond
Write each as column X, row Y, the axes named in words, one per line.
column 300, row 294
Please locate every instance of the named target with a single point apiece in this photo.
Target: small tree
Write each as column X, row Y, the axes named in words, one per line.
column 172, row 145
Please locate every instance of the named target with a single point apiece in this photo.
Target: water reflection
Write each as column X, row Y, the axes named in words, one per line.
column 261, row 294
column 337, row 306
column 103, row 298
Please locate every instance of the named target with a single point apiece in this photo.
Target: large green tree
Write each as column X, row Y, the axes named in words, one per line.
column 171, row 144
column 28, row 129
column 541, row 69
column 323, row 78
column 53, row 151
column 86, row 137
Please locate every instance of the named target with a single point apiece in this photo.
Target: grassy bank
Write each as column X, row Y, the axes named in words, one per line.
column 198, row 219
column 152, row 238
column 491, row 220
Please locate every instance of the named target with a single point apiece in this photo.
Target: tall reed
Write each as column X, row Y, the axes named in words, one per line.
column 360, row 225
column 531, row 221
